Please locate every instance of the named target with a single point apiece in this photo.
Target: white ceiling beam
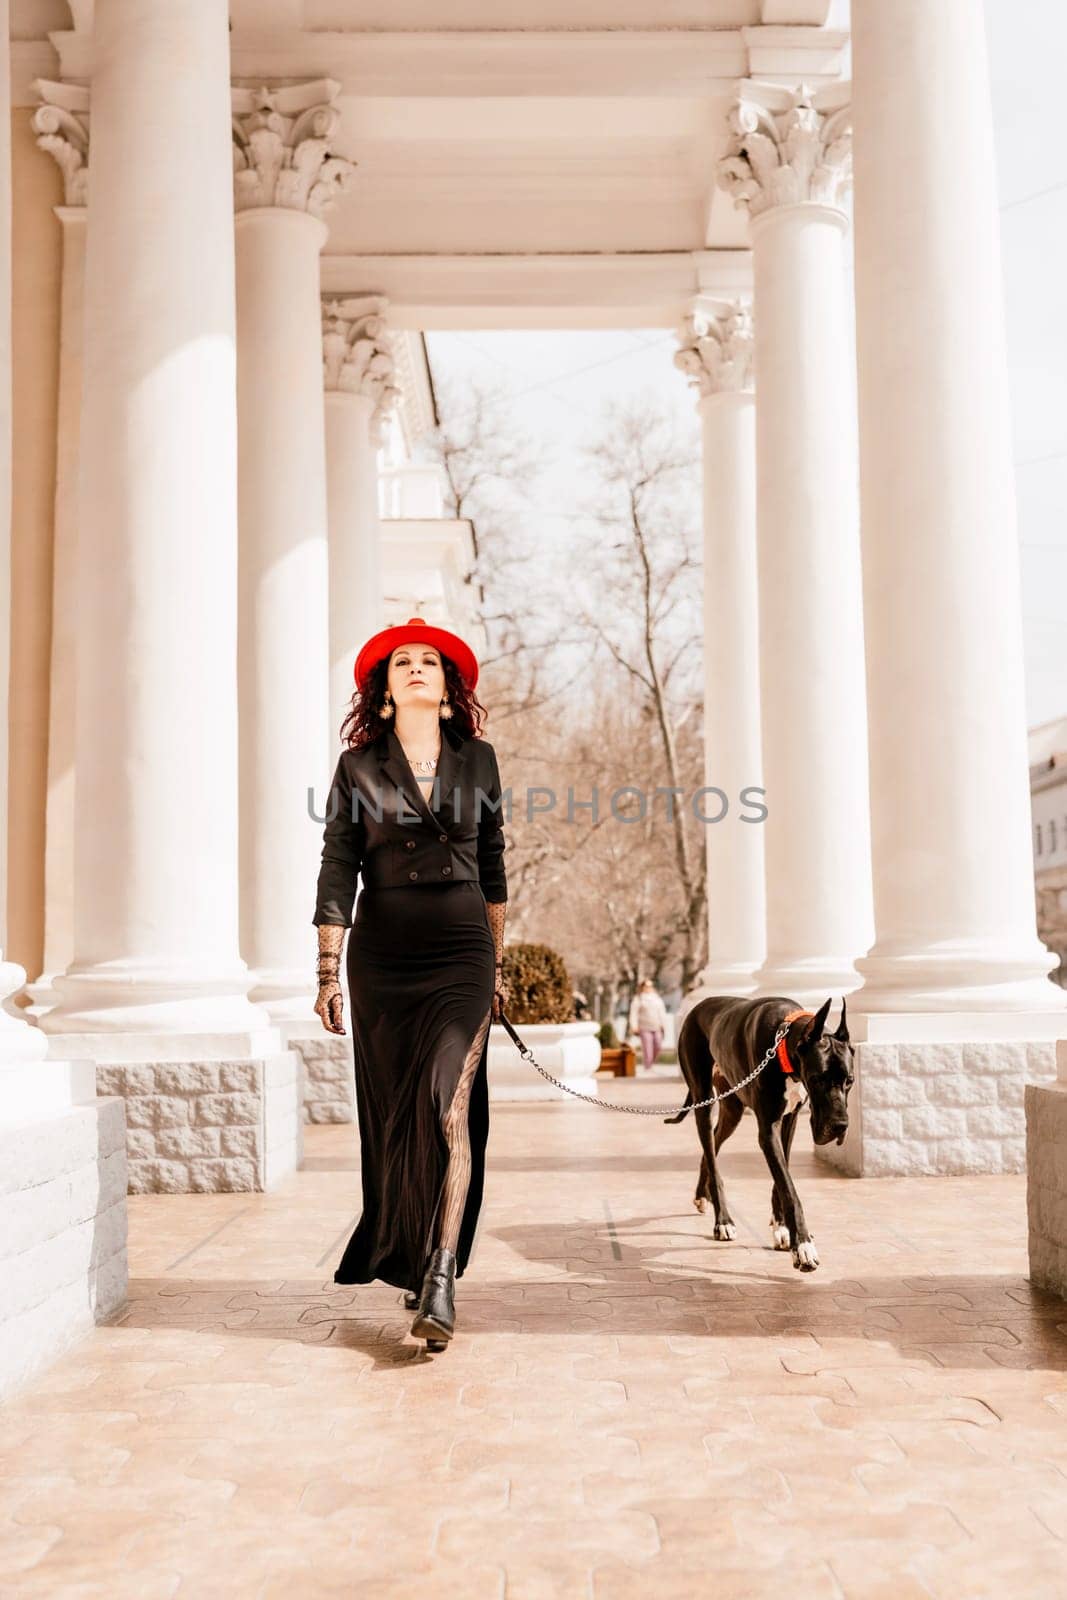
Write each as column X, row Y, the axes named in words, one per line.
column 582, row 64
column 489, row 65
column 812, row 12
column 810, row 55
column 539, row 291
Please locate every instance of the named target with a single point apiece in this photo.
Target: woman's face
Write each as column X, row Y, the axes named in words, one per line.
column 416, row 675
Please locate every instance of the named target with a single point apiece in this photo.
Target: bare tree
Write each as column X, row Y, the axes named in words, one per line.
column 647, row 568
column 594, row 682
column 492, row 467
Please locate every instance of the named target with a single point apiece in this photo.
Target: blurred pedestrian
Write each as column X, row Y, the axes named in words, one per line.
column 648, row 1019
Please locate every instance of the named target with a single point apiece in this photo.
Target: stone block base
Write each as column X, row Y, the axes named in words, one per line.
column 329, row 1077
column 205, row 1127
column 940, row 1107
column 1046, row 1179
column 62, row 1233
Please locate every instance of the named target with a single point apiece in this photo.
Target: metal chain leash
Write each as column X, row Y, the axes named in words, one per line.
column 644, row 1111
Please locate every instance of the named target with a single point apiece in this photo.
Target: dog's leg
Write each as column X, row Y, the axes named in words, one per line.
column 805, row 1255
column 779, row 1231
column 731, row 1111
column 694, row 1059
column 702, row 1194
column 724, row 1223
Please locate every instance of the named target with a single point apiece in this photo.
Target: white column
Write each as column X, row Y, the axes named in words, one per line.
column 285, row 180
column 155, row 914
column 717, row 353
column 358, row 368
column 61, row 1148
column 19, row 1042
column 953, row 863
column 787, row 164
column 62, row 127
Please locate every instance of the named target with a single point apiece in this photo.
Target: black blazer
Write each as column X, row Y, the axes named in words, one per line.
column 379, row 824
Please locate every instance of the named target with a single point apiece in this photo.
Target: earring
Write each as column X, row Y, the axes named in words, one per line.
column 446, row 710
column 387, row 709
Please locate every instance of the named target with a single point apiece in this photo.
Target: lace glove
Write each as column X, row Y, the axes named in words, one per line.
column 497, row 912
column 330, row 1002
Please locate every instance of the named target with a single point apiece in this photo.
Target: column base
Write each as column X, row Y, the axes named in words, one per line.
column 285, row 996
column 724, row 977
column 132, row 997
column 43, row 995
column 329, row 1074
column 705, row 986
column 20, row 1041
column 1046, row 1178
column 808, row 982
column 198, row 1124
column 967, row 976
column 63, row 1233
column 105, row 1047
column 943, row 1094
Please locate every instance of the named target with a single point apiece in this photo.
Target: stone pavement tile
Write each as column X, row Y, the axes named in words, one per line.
column 951, row 1355
column 774, row 1381
column 791, row 1529
column 253, row 1546
column 517, row 1540
column 468, row 1580
column 23, row 1548
column 90, row 1547
column 82, row 1583
column 946, row 1407
column 667, row 1580
column 994, row 1571
column 984, row 1509
column 886, row 1579
column 1051, row 1514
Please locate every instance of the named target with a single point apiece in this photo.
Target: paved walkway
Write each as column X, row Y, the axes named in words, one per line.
column 628, row 1409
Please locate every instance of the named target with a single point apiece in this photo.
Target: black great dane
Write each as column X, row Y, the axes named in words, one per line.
column 720, row 1042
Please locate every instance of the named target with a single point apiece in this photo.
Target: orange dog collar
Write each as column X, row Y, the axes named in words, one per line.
column 783, row 1043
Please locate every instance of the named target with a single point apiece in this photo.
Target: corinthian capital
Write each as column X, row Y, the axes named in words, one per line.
column 283, row 148
column 788, row 146
column 716, row 347
column 358, row 355
column 61, row 124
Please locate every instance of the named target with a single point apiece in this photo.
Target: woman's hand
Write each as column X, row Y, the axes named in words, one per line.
column 330, row 1002
column 500, row 994
column 330, row 1005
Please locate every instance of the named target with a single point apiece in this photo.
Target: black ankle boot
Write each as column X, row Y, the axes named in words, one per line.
column 436, row 1317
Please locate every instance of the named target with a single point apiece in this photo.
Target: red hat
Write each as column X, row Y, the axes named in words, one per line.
column 415, row 631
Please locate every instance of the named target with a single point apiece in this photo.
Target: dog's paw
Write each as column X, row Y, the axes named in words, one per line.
column 805, row 1256
column 700, row 1203
column 725, row 1230
column 780, row 1236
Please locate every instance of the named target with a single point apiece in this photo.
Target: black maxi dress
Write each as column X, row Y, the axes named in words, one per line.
column 420, row 979
column 420, row 968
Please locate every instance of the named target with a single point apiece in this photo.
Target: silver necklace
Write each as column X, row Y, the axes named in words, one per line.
column 427, row 767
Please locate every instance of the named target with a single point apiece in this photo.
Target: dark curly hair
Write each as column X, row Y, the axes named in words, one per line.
column 362, row 724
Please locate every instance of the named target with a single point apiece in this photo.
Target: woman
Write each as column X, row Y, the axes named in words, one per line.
column 414, row 807
column 648, row 1019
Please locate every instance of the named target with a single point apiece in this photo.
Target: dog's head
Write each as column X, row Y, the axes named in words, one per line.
column 827, row 1065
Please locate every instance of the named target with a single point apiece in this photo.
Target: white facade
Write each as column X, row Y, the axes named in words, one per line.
column 223, row 334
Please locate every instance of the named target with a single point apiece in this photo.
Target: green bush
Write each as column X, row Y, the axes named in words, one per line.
column 609, row 1039
column 539, row 987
